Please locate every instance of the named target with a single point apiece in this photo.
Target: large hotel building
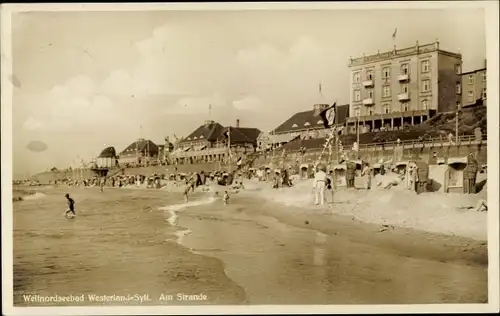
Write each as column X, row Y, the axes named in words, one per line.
column 402, row 87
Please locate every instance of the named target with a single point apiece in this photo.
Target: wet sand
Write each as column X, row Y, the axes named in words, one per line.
column 248, row 252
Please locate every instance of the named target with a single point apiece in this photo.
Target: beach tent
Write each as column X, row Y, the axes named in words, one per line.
column 454, row 175
column 339, row 173
column 359, row 166
column 484, row 169
column 401, row 166
column 376, row 168
column 304, row 168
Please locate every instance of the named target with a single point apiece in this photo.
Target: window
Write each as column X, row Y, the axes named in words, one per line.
column 484, row 76
column 483, row 93
column 426, row 66
column 369, row 75
column 458, row 69
column 425, row 104
column 405, row 107
column 357, row 95
column 371, row 112
column 369, row 93
column 356, row 77
column 386, row 72
column 357, row 112
column 386, row 91
column 458, row 88
column 404, row 69
column 471, row 79
column 426, row 85
column 385, row 108
column 404, row 88
column 470, row 96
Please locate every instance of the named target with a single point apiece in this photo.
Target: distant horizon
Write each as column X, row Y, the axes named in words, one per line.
column 97, row 77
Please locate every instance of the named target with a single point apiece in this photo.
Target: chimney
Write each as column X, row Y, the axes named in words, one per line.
column 237, row 123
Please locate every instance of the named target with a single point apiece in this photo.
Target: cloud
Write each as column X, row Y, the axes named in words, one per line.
column 249, row 103
column 33, row 124
column 198, row 105
column 37, row 146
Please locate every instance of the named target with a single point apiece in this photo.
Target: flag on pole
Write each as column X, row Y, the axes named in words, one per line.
column 328, row 116
column 320, row 91
column 394, row 34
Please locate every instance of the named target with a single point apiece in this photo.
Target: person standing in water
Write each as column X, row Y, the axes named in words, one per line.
column 101, row 184
column 187, row 187
column 226, row 198
column 71, row 206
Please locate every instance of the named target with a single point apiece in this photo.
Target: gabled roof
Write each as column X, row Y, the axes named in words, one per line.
column 108, row 152
column 308, row 120
column 208, row 132
column 141, row 145
column 241, row 134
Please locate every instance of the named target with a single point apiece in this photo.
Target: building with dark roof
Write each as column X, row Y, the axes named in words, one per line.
column 305, row 125
column 139, row 151
column 209, row 142
column 107, row 158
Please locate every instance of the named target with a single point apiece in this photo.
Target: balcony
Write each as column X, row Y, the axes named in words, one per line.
column 368, row 83
column 403, row 77
column 368, row 101
column 403, row 96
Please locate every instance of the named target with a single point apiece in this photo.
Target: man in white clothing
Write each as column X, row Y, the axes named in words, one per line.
column 319, row 185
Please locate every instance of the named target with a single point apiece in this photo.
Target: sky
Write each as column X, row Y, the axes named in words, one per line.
column 87, row 80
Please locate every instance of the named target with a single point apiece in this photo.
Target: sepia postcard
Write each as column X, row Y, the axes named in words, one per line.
column 250, row 158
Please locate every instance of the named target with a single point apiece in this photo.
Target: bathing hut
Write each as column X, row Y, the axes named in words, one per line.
column 339, row 174
column 401, row 167
column 454, row 175
column 304, row 171
column 359, row 167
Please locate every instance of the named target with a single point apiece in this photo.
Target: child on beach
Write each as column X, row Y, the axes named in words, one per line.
column 186, row 191
column 71, row 206
column 225, row 199
column 101, row 185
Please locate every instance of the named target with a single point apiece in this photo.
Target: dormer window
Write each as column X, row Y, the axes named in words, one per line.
column 306, row 124
column 195, row 137
column 189, row 138
column 294, row 125
column 201, row 136
column 320, row 122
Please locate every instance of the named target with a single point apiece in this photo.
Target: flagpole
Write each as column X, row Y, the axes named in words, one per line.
column 357, row 136
column 229, row 146
column 336, row 136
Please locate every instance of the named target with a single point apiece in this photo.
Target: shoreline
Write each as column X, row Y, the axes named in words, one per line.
column 249, row 225
column 324, row 245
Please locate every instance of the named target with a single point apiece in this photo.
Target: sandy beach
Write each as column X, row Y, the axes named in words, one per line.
column 256, row 250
